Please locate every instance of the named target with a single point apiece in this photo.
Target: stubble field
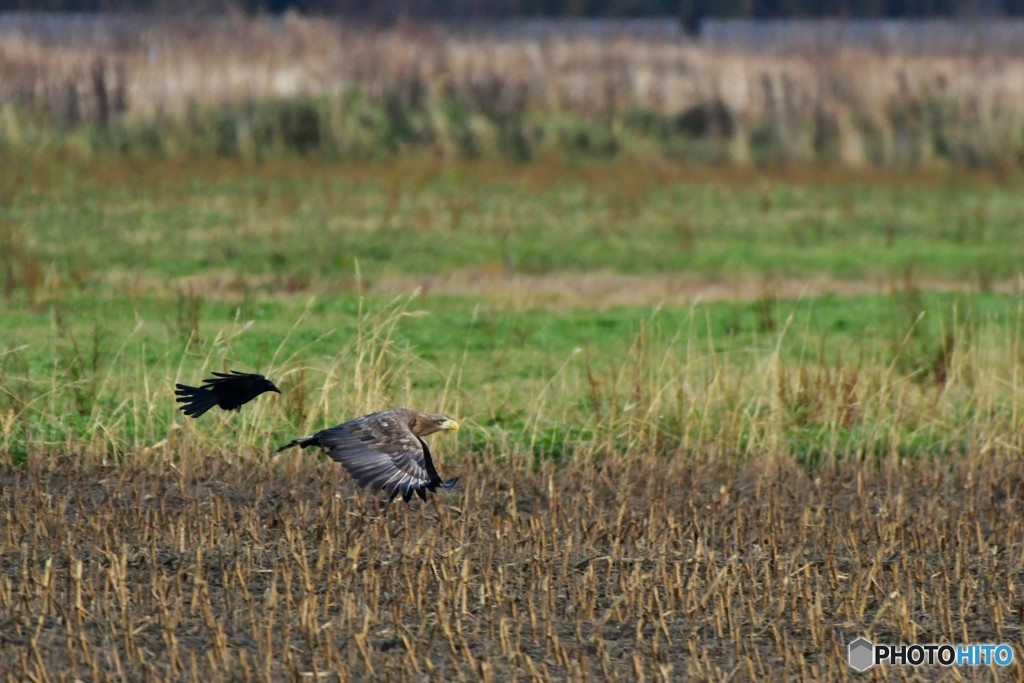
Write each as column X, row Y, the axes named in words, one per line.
column 218, row 570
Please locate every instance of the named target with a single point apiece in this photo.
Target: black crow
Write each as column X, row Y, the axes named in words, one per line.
column 384, row 450
column 225, row 391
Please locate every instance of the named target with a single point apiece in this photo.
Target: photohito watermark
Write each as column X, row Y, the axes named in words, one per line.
column 863, row 654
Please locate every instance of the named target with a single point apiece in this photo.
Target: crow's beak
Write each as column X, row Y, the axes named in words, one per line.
column 273, row 388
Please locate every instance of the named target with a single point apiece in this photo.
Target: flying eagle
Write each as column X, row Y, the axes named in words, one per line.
column 385, row 450
column 225, row 391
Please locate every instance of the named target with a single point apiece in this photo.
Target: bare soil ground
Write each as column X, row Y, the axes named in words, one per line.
column 566, row 290
column 208, row 569
column 562, row 290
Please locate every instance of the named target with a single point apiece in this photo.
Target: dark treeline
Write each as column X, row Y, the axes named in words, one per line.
column 690, row 11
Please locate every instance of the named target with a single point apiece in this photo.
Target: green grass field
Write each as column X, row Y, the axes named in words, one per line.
column 715, row 424
column 294, row 224
column 609, row 309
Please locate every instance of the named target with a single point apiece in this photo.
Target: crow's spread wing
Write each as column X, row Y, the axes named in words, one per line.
column 232, row 383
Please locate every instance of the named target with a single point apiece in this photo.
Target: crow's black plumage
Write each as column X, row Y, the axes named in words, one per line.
column 385, row 452
column 227, row 391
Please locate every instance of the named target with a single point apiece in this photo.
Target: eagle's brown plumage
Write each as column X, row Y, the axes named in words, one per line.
column 385, row 450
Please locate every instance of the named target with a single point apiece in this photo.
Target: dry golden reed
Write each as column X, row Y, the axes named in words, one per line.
column 458, row 90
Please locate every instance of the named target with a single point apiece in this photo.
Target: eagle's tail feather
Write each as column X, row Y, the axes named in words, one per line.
column 305, row 442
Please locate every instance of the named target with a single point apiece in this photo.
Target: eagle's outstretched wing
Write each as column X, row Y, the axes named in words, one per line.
column 381, row 452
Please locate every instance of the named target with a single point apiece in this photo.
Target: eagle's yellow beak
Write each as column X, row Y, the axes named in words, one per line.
column 451, row 425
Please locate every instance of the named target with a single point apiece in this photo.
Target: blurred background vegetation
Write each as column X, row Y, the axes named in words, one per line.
column 259, row 85
column 501, row 9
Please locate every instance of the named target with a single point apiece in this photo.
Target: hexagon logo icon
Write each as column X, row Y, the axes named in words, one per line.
column 861, row 655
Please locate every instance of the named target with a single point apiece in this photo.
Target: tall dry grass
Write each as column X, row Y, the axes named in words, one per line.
column 461, row 92
column 951, row 397
column 112, row 396
column 672, row 394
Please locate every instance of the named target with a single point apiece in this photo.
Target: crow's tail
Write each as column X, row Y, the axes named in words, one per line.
column 194, row 400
